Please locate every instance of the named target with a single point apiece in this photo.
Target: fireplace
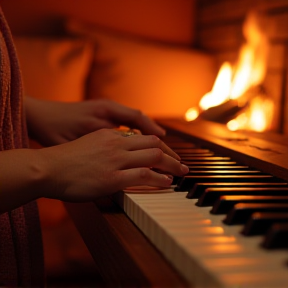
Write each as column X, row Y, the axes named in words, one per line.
column 219, row 30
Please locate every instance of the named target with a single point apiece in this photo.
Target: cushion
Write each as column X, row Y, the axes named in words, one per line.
column 159, row 79
column 54, row 69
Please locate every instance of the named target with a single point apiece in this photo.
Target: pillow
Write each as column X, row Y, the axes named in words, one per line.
column 54, row 69
column 159, row 79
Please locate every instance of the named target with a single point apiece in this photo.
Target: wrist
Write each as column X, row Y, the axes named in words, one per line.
column 23, row 178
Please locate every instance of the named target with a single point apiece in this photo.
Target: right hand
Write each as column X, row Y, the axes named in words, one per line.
column 104, row 162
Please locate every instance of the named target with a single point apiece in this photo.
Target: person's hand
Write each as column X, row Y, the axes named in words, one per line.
column 104, row 162
column 52, row 123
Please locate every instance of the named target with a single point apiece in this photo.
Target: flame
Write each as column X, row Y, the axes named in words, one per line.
column 221, row 89
column 233, row 81
column 192, row 114
column 257, row 117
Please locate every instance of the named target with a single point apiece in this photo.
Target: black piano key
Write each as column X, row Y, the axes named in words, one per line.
column 198, row 189
column 211, row 195
column 187, row 182
column 224, row 172
column 276, row 237
column 260, row 222
column 192, row 151
column 199, row 158
column 206, row 163
column 217, row 167
column 225, row 203
column 176, row 179
column 241, row 212
column 180, row 145
column 193, row 155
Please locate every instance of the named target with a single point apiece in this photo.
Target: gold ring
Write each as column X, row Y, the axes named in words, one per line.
column 128, row 133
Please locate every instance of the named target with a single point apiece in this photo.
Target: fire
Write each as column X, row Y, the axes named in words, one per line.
column 221, row 89
column 234, row 81
column 257, row 117
column 192, row 114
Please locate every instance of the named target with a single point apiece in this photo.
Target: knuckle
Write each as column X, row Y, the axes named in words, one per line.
column 157, row 154
column 155, row 141
column 144, row 173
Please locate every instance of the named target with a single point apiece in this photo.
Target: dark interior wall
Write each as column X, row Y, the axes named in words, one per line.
column 169, row 21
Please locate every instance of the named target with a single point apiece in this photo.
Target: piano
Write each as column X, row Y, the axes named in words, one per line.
column 225, row 224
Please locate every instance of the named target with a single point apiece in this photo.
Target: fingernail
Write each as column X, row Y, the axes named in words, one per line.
column 184, row 168
column 169, row 179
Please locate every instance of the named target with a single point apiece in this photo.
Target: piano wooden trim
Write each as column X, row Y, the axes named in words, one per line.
column 258, row 150
column 123, row 255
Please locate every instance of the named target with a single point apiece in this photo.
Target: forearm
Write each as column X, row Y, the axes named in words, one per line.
column 31, row 107
column 22, row 178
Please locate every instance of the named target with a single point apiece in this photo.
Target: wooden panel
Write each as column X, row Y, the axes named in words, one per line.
column 223, row 11
column 273, row 85
column 284, row 103
column 271, row 5
column 230, row 56
column 220, row 37
column 276, row 56
column 277, row 26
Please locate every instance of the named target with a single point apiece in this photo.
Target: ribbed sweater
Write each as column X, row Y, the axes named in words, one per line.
column 21, row 251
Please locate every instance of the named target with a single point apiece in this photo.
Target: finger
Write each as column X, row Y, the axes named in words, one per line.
column 134, row 118
column 139, row 142
column 142, row 176
column 154, row 158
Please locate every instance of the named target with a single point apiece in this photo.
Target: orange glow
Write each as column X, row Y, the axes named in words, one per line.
column 241, row 80
column 240, row 122
column 232, row 82
column 214, row 230
column 257, row 117
column 225, row 239
column 207, row 221
column 192, row 114
column 261, row 114
column 221, row 89
column 251, row 65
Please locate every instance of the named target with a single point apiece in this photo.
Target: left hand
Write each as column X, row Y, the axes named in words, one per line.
column 51, row 123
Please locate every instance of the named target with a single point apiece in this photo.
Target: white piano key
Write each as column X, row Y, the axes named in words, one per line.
column 204, row 250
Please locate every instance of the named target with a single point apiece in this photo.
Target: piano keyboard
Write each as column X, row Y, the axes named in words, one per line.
column 225, row 224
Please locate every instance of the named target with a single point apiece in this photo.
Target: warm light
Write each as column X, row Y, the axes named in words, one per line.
column 240, row 122
column 221, row 89
column 251, row 65
column 257, row 117
column 235, row 82
column 241, row 80
column 191, row 114
column 261, row 114
column 233, row 125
